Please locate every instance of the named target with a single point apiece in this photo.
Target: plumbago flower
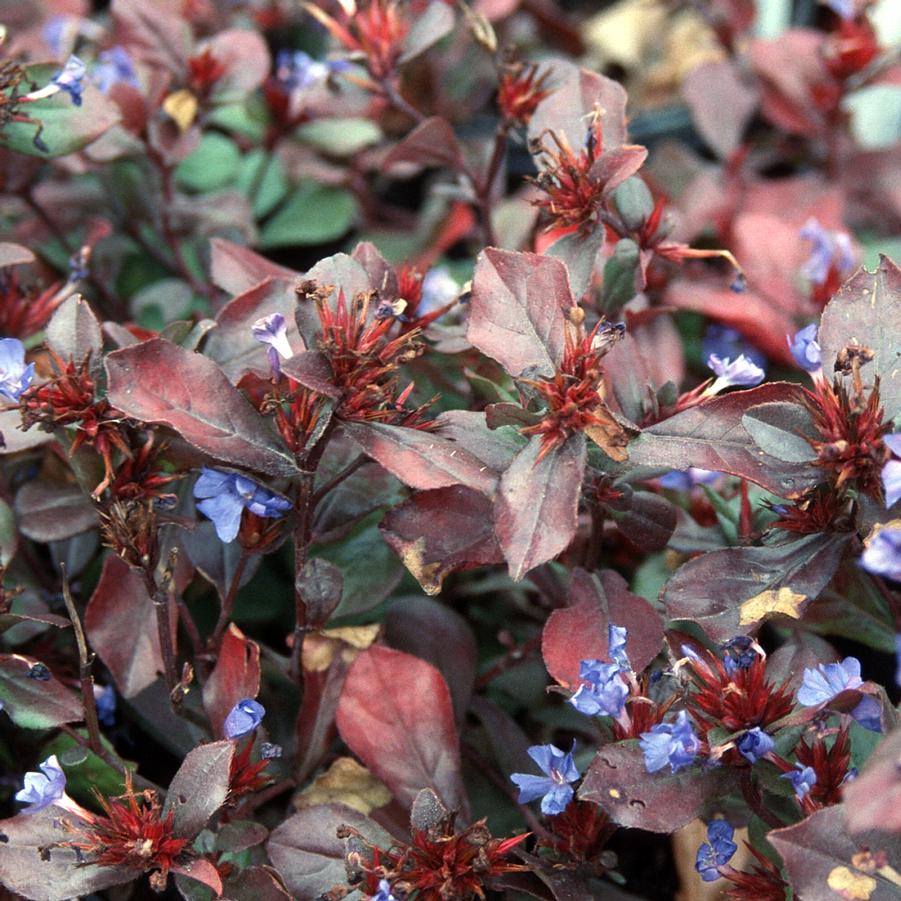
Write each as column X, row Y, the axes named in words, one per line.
column 733, row 373
column 755, row 744
column 15, row 376
column 604, row 686
column 882, row 555
column 803, row 779
column 819, row 686
column 226, row 495
column 831, row 259
column 891, row 472
column 555, row 788
column 806, row 349
column 717, row 851
column 44, row 788
column 675, row 744
column 245, row 717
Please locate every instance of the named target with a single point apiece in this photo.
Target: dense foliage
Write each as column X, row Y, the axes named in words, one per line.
column 426, row 477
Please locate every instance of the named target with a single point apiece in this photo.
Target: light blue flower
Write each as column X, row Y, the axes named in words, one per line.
column 298, row 71
column 754, row 744
column 555, row 788
column 729, row 373
column 44, row 788
column 225, row 496
column 670, row 743
column 830, row 249
column 603, row 692
column 245, row 717
column 868, row 713
column 891, row 471
column 70, row 77
column 846, row 9
column 725, row 341
column 684, row 479
column 384, row 892
column 15, row 376
column 882, row 556
column 439, row 288
column 821, row 685
column 115, row 66
column 716, row 852
column 805, row 348
column 616, row 645
column 803, row 778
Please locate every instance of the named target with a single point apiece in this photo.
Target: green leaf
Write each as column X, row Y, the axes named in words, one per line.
column 85, row 771
column 313, row 214
column 634, row 202
column 619, row 276
column 212, row 166
column 340, row 137
column 67, row 128
column 262, row 178
column 779, row 429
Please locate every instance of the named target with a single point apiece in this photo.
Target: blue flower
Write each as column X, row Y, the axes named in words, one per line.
column 821, row 685
column 616, row 645
column 803, row 778
column 225, row 496
column 716, row 852
column 754, row 744
column 105, row 702
column 273, row 330
column 384, row 892
column 603, row 692
column 830, row 249
column 245, row 717
column 891, row 471
column 882, row 556
column 298, row 71
column 554, row 789
column 44, row 788
column 115, row 66
column 60, row 33
column 439, row 288
column 805, row 348
column 738, row 372
column 846, row 9
column 670, row 743
column 869, row 713
column 683, row 479
column 15, row 376
column 69, row 78
column 738, row 653
column 725, row 341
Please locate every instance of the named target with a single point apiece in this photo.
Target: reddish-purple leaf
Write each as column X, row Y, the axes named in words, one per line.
column 439, row 532
column 245, row 56
column 30, row 871
column 866, row 312
column 537, row 504
column 710, row 590
column 307, row 852
column 35, row 703
column 159, row 382
column 712, row 436
column 215, row 560
column 519, row 306
column 200, row 870
column 121, row 625
column 436, row 633
column 256, row 883
column 620, row 783
column 232, row 344
column 199, row 787
column 49, row 511
column 646, row 519
column 312, row 370
column 236, row 676
column 436, row 21
column 421, row 459
column 156, row 34
column 577, row 93
column 321, row 585
column 579, row 632
column 721, row 103
column 873, row 799
column 74, row 332
column 822, row 861
column 396, row 715
column 14, row 439
column 431, row 143
column 236, row 269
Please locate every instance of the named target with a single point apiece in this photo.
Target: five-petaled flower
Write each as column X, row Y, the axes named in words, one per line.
column 69, row 78
column 805, row 348
column 670, row 743
column 803, row 778
column 44, row 788
column 245, row 717
column 15, row 376
column 273, row 331
column 729, row 373
column 882, row 556
column 821, row 685
column 554, row 789
column 225, row 495
column 602, row 692
column 754, row 744
column 717, row 851
column 891, row 472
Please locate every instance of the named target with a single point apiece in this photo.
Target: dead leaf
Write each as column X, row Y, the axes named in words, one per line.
column 345, row 782
column 769, row 602
column 854, row 886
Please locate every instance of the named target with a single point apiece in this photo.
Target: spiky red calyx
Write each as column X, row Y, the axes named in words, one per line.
column 763, row 883
column 579, row 834
column 520, row 90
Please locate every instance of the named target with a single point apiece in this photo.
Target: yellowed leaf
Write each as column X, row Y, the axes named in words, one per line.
column 359, row 637
column 851, row 885
column 429, row 575
column 181, row 106
column 345, row 782
column 768, row 602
